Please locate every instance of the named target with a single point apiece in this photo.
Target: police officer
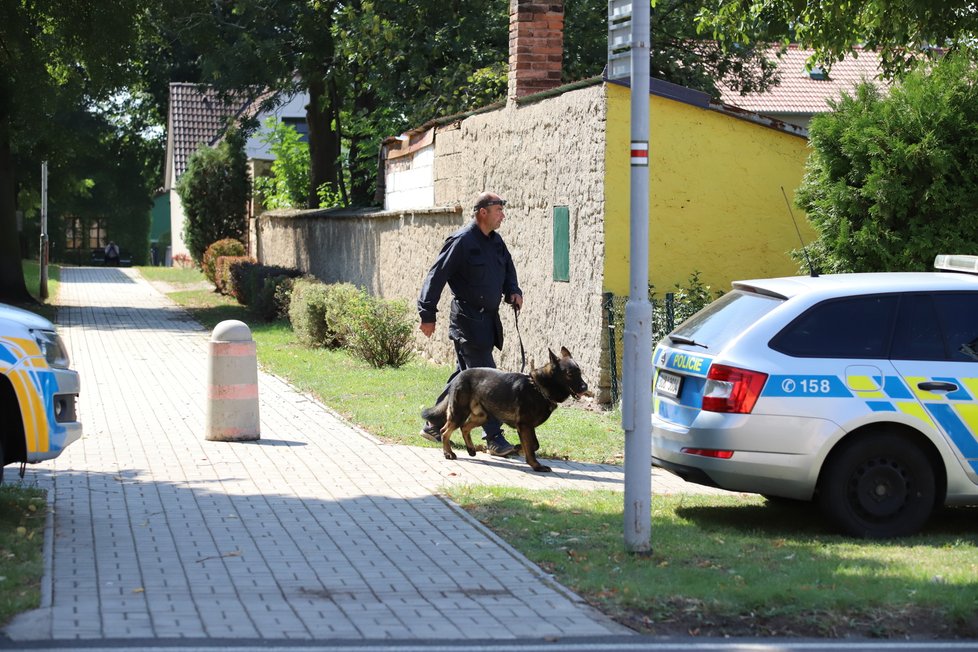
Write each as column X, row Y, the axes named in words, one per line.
column 478, row 268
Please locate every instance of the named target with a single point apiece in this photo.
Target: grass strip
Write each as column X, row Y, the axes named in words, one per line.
column 740, row 566
column 22, row 513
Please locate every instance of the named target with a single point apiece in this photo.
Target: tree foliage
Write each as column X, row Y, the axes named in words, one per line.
column 215, row 190
column 893, row 179
column 904, row 32
column 374, row 69
column 56, row 66
column 288, row 184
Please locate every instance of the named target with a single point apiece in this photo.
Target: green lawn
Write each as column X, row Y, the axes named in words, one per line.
column 738, row 566
column 22, row 513
column 32, row 278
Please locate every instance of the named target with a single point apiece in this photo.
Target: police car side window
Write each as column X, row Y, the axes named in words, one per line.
column 958, row 313
column 854, row 327
column 918, row 333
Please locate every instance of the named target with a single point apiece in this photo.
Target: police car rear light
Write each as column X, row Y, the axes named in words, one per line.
column 732, row 390
column 708, row 452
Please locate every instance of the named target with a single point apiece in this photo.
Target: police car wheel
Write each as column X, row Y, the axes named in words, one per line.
column 878, row 485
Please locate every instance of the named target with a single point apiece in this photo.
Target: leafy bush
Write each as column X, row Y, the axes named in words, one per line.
column 223, row 247
column 893, row 178
column 247, row 283
column 344, row 303
column 222, row 273
column 307, row 311
column 182, row 260
column 215, row 191
column 282, row 297
column 687, row 300
column 288, row 184
column 270, row 301
column 383, row 334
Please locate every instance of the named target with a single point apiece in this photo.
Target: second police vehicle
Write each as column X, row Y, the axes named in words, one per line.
column 38, row 390
column 856, row 391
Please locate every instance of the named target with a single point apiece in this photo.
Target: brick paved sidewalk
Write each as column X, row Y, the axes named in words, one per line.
column 315, row 531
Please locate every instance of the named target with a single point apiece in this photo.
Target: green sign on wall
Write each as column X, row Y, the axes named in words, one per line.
column 561, row 243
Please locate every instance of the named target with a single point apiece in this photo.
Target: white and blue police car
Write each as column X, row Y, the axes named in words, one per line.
column 856, row 391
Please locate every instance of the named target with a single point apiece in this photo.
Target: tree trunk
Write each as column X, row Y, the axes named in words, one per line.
column 13, row 289
column 323, row 140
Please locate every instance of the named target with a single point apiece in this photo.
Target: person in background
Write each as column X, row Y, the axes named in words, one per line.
column 111, row 254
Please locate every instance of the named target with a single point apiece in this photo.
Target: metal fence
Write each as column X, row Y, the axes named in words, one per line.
column 663, row 321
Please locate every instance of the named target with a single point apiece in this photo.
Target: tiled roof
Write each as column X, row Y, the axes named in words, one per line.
column 199, row 116
column 799, row 93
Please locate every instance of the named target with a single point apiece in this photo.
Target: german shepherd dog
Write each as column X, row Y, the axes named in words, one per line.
column 521, row 401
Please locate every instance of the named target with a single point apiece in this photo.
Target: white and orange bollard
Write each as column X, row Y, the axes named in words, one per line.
column 232, row 384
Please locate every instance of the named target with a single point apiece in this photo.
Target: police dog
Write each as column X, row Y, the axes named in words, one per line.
column 521, row 401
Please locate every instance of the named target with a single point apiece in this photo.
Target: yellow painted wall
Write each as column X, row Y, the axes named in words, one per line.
column 715, row 196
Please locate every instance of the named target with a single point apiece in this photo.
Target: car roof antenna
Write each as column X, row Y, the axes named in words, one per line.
column 804, row 249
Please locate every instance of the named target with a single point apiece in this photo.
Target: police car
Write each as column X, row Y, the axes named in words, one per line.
column 856, row 391
column 38, row 390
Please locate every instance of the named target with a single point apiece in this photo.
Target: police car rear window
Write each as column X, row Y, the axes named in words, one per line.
column 907, row 326
column 726, row 318
column 853, row 327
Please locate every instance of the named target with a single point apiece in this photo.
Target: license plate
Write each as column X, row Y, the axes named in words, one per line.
column 668, row 384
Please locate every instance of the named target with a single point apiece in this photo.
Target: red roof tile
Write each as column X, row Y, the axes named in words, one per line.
column 799, row 93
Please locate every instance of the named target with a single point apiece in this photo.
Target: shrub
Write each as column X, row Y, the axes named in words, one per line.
column 892, row 178
column 247, row 281
column 224, row 247
column 382, row 335
column 222, row 273
column 270, row 300
column 344, row 302
column 183, row 261
column 687, row 300
column 307, row 311
column 214, row 191
column 283, row 297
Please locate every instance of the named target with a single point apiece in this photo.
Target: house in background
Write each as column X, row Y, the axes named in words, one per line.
column 198, row 116
column 803, row 94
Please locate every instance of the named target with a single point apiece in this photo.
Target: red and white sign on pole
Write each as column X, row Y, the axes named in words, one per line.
column 640, row 154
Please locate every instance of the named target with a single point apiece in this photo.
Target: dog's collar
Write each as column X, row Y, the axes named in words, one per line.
column 543, row 392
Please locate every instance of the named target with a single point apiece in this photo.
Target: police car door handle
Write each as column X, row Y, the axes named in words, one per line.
column 937, row 386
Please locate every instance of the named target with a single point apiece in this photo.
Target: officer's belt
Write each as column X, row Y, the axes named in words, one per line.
column 466, row 305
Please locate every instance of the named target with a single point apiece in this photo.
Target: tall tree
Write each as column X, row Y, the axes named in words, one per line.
column 902, row 31
column 53, row 55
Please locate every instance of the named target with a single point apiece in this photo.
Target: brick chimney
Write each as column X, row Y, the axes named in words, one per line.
column 536, row 45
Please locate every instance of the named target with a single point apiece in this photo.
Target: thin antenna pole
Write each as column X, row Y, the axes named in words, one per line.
column 804, row 249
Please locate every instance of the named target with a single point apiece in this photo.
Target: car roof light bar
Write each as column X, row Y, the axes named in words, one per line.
column 956, row 263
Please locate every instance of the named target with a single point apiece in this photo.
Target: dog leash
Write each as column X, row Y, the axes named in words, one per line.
column 516, row 317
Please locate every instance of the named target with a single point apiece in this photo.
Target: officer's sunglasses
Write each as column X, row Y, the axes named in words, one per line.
column 491, row 202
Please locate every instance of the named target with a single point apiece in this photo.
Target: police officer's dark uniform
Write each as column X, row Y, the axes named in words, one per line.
column 480, row 272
